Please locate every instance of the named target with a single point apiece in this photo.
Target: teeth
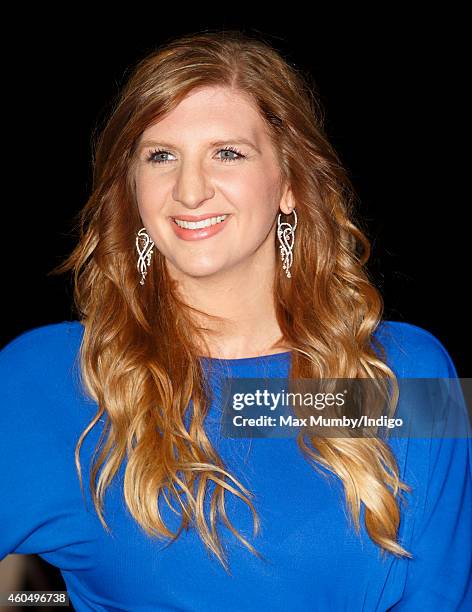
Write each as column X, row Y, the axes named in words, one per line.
column 200, row 224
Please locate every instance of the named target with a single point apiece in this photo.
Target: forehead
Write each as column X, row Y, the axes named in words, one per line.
column 210, row 112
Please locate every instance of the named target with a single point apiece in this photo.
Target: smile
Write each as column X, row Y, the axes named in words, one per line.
column 199, row 224
column 201, row 229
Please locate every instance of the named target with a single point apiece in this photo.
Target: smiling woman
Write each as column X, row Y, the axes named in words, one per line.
column 220, row 241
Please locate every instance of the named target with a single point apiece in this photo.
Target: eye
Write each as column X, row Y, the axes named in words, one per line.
column 238, row 154
column 152, row 154
column 151, row 158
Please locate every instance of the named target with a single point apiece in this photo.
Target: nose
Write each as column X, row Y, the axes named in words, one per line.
column 192, row 187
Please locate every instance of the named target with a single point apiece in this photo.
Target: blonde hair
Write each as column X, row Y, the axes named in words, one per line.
column 139, row 356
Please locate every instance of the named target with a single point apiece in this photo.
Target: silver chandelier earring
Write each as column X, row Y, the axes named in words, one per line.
column 144, row 246
column 286, row 235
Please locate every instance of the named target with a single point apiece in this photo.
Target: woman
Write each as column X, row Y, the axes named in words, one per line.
column 218, row 126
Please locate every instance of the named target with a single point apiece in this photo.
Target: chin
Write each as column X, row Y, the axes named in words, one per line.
column 198, row 269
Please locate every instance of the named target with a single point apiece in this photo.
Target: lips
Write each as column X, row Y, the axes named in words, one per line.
column 198, row 217
column 200, row 233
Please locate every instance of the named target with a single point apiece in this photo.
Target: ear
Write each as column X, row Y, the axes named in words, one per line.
column 287, row 201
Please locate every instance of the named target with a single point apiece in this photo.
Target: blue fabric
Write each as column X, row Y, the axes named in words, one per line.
column 313, row 558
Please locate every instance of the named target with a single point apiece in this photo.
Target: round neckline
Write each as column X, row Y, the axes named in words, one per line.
column 283, row 355
column 241, row 360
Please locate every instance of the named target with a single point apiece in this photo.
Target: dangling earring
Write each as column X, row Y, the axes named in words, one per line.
column 286, row 235
column 144, row 259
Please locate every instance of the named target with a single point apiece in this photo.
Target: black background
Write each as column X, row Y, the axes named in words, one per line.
column 390, row 86
column 390, row 82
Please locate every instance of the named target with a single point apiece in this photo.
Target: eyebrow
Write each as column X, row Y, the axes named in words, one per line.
column 214, row 143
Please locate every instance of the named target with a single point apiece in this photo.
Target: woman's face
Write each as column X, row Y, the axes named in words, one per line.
column 186, row 172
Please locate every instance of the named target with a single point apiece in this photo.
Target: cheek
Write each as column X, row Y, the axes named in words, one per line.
column 255, row 191
column 264, row 200
column 148, row 195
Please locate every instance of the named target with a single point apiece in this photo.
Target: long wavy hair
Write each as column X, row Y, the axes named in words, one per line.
column 140, row 353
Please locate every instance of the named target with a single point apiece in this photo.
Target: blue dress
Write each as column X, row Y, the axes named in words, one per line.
column 313, row 559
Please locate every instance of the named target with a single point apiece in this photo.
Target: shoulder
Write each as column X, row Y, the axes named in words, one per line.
column 41, row 350
column 413, row 351
column 40, row 382
column 52, row 333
